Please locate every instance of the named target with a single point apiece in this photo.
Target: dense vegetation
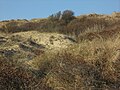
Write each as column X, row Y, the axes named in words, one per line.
column 65, row 23
column 93, row 63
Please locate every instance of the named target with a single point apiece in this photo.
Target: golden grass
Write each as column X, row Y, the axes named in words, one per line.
column 89, row 65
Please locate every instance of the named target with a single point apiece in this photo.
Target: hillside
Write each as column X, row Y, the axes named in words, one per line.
column 61, row 53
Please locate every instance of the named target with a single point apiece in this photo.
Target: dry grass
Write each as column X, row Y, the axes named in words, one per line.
column 76, row 26
column 14, row 76
column 91, row 64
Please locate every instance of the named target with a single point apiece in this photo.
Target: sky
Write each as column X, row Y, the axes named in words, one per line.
column 29, row 9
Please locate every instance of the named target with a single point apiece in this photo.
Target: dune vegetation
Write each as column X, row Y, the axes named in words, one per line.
column 61, row 52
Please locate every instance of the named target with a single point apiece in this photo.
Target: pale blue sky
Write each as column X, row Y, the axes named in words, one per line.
column 28, row 9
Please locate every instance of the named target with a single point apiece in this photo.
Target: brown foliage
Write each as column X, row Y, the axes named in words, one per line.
column 16, row 77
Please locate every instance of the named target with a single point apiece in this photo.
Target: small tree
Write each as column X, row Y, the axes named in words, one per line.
column 55, row 16
column 58, row 15
column 68, row 15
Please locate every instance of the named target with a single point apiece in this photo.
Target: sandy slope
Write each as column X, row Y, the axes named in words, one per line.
column 27, row 45
column 49, row 40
